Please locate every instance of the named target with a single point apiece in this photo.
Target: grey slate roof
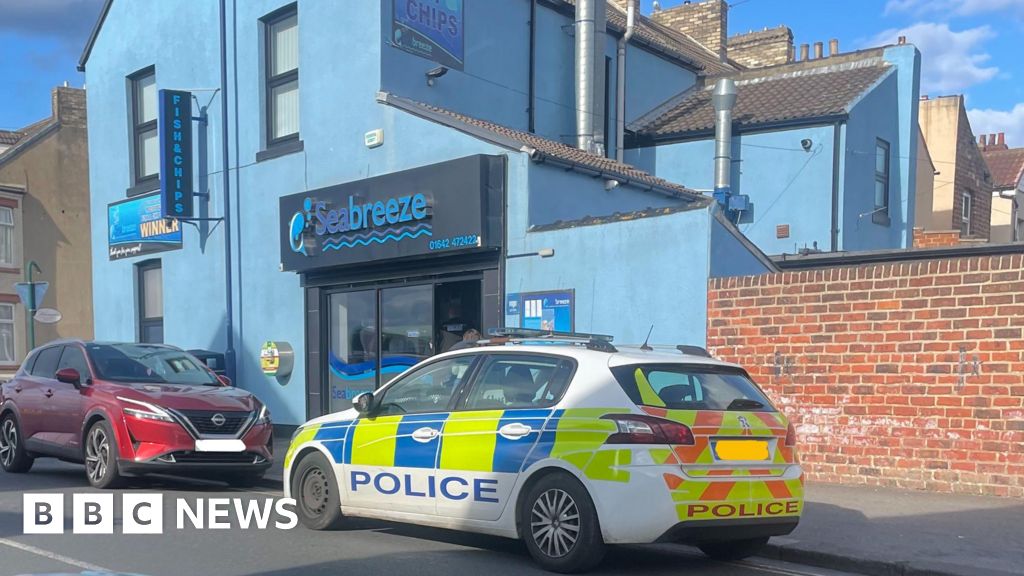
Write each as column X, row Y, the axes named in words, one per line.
column 9, row 137
column 541, row 148
column 790, row 92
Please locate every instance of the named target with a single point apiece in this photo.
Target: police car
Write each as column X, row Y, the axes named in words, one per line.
column 562, row 440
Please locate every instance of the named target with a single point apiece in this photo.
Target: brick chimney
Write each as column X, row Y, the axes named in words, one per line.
column 706, row 22
column 768, row 47
column 68, row 106
column 992, row 142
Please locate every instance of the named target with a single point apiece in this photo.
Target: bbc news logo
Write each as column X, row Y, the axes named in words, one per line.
column 144, row 514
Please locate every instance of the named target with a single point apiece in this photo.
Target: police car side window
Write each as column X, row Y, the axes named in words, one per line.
column 519, row 381
column 428, row 389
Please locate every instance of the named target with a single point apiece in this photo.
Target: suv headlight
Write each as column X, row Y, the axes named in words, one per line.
column 264, row 416
column 145, row 410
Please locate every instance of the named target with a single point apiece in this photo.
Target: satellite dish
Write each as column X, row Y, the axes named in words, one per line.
column 48, row 316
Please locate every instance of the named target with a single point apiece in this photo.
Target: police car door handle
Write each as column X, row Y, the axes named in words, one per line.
column 514, row 430
column 425, row 434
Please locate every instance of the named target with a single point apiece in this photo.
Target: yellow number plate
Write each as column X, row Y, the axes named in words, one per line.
column 742, row 449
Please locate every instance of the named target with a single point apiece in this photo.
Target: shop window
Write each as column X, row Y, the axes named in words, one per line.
column 966, row 206
column 7, row 333
column 881, row 212
column 281, row 91
column 145, row 143
column 6, row 236
column 149, row 277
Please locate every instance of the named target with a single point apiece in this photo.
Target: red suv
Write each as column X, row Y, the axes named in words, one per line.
column 130, row 409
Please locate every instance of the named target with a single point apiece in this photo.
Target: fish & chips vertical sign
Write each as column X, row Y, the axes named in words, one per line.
column 175, row 124
column 433, row 29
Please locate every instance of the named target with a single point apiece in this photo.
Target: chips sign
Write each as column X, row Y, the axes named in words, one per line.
column 175, row 125
column 433, row 29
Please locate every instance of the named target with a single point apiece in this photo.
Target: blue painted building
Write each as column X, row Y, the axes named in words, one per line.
column 825, row 149
column 372, row 183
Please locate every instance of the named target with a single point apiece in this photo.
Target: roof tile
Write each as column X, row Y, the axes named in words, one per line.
column 1006, row 166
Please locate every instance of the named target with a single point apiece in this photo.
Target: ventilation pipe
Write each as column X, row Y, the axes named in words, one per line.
column 590, row 77
column 724, row 99
column 620, row 81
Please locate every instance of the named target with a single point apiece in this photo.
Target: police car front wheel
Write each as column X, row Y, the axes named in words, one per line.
column 559, row 524
column 315, row 491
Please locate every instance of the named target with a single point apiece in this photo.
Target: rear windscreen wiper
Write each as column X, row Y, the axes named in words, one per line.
column 744, row 404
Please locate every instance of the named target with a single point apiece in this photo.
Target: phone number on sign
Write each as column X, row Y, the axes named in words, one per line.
column 455, row 242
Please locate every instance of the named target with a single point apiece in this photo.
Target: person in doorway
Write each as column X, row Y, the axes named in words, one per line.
column 452, row 329
column 469, row 338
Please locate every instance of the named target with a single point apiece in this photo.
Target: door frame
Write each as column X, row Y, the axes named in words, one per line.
column 324, row 332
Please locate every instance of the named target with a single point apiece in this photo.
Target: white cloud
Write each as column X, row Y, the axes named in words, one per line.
column 950, row 61
column 988, row 121
column 954, row 7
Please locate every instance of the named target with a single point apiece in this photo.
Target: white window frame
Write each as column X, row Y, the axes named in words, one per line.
column 14, row 344
column 7, row 255
column 966, row 209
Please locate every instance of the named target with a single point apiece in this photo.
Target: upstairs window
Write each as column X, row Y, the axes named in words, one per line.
column 145, row 145
column 6, row 333
column 966, row 207
column 281, row 47
column 881, row 212
column 6, row 236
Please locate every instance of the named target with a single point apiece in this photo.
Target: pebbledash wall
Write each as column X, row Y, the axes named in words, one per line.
column 905, row 375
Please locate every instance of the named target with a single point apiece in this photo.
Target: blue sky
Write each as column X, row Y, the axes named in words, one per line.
column 968, row 46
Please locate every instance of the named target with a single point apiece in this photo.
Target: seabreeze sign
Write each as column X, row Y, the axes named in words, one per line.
column 136, row 227
column 449, row 207
column 175, row 125
column 433, row 29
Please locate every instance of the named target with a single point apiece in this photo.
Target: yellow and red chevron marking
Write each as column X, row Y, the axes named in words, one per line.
column 732, row 499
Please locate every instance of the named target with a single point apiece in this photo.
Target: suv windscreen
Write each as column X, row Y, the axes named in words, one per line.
column 691, row 387
column 148, row 364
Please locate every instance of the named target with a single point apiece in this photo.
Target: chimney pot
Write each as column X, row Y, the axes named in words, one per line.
column 981, row 140
column 901, row 40
column 818, row 50
column 833, row 47
column 1002, row 139
column 804, row 52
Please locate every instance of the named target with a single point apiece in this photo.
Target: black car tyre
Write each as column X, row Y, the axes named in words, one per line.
column 316, row 493
column 733, row 550
column 13, row 456
column 101, row 456
column 558, row 523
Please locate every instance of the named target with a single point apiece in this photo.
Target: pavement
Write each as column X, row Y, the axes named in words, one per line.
column 845, row 530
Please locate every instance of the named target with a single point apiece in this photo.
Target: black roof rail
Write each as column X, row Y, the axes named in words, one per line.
column 600, row 342
column 693, row 350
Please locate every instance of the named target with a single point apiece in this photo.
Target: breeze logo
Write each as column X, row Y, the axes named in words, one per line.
column 393, row 219
column 144, row 514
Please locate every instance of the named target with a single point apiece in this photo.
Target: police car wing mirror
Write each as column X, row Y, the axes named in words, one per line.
column 363, row 403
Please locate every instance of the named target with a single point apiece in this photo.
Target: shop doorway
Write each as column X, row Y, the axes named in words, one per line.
column 378, row 332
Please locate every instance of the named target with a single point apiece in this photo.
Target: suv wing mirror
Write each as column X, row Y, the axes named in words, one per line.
column 224, row 380
column 69, row 376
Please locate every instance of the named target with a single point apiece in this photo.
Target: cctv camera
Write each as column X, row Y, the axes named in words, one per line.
column 806, row 144
column 435, row 73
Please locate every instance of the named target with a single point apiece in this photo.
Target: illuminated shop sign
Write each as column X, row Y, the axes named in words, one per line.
column 175, row 124
column 444, row 208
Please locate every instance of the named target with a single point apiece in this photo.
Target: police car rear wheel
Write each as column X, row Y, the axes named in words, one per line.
column 734, row 550
column 559, row 524
column 316, row 493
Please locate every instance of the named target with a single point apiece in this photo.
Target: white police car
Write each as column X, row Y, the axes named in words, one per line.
column 563, row 441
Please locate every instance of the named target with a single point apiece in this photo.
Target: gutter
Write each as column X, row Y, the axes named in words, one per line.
column 620, row 81
column 825, row 260
column 648, row 139
column 836, row 141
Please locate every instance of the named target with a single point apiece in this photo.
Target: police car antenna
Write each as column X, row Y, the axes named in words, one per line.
column 645, row 346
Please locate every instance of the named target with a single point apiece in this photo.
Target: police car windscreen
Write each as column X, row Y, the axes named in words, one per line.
column 688, row 387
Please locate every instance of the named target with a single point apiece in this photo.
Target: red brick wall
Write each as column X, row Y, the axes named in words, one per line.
column 867, row 363
column 935, row 238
